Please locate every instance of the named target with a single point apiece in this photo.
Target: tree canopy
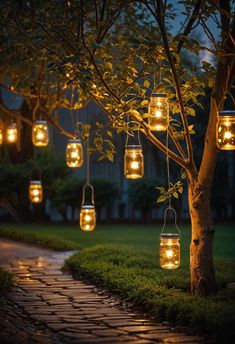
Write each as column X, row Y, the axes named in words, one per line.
column 115, row 53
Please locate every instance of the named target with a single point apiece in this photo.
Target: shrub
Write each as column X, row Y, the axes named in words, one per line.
column 6, row 280
column 138, row 279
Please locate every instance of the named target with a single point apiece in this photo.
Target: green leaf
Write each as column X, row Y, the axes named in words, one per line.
column 190, row 127
column 98, row 142
column 102, row 157
column 144, row 102
column 109, row 133
column 99, row 125
column 110, row 156
column 109, row 65
column 183, row 174
column 161, row 188
column 191, row 112
column 146, row 83
column 161, row 199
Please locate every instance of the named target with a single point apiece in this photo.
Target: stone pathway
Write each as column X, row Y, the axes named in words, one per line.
column 49, row 306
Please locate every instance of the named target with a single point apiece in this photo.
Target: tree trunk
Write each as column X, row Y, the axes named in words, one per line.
column 203, row 281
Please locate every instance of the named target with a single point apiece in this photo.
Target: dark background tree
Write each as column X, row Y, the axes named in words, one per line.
column 143, row 197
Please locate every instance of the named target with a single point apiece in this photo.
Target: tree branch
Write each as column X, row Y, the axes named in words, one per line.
column 39, row 85
column 116, row 98
column 159, row 18
column 57, row 126
column 145, row 129
column 177, row 144
column 15, row 114
column 189, row 25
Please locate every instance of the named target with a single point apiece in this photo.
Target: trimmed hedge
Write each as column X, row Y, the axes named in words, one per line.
column 135, row 277
column 38, row 239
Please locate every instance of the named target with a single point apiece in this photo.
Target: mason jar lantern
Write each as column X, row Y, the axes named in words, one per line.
column 225, row 130
column 11, row 133
column 87, row 212
column 74, row 153
column 40, row 133
column 169, row 251
column 133, row 162
column 35, row 191
column 87, row 218
column 158, row 112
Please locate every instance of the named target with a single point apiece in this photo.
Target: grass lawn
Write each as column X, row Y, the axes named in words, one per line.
column 125, row 260
column 139, row 237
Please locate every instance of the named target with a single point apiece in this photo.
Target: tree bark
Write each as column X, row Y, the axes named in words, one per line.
column 203, row 281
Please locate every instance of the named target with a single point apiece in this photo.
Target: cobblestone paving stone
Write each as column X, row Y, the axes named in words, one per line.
column 48, row 306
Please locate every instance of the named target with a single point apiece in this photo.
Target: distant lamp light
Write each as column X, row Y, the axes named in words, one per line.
column 11, row 133
column 87, row 212
column 169, row 251
column 1, row 136
column 133, row 162
column 40, row 133
column 225, row 130
column 74, row 153
column 158, row 112
column 35, row 191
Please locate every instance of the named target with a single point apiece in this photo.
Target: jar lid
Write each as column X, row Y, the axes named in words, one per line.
column 88, row 206
column 170, row 236
column 133, row 146
column 227, row 113
column 40, row 122
column 74, row 140
column 159, row 95
column 35, row 182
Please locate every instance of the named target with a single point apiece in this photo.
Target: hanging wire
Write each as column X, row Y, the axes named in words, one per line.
column 87, row 185
column 160, row 72
column 168, row 167
column 138, row 136
column 35, row 153
column 175, row 217
column 74, row 124
column 169, row 208
column 127, row 135
column 154, row 78
column 39, row 174
column 231, row 97
column 87, row 162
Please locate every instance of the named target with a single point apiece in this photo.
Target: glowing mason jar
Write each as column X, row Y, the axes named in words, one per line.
column 225, row 130
column 1, row 136
column 169, row 251
column 35, row 191
column 133, row 162
column 74, row 153
column 158, row 112
column 11, row 133
column 40, row 133
column 87, row 218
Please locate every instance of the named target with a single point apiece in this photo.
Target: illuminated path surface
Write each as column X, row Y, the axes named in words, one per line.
column 48, row 306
